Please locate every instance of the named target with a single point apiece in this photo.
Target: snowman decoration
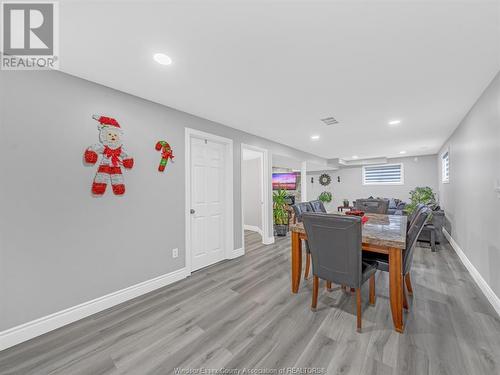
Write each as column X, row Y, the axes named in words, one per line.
column 113, row 157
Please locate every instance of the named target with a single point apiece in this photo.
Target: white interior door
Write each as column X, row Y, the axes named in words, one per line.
column 207, row 202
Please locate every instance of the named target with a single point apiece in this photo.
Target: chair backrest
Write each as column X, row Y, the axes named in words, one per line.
column 335, row 245
column 414, row 214
column 372, row 206
column 318, row 206
column 412, row 237
column 300, row 209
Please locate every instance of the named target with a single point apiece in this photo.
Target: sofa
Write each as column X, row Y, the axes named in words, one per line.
column 395, row 206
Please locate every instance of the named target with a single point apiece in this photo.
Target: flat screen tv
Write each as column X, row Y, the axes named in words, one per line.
column 286, row 181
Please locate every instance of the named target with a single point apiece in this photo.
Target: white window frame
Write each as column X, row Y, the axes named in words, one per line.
column 445, row 179
column 400, row 182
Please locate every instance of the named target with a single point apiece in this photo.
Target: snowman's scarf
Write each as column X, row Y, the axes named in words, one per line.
column 114, row 155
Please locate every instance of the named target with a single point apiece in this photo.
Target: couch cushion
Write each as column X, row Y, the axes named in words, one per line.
column 393, row 203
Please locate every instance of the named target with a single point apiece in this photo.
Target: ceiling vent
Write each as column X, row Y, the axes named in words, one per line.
column 329, row 120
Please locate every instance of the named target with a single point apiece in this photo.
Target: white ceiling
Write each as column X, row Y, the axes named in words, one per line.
column 275, row 68
column 285, row 162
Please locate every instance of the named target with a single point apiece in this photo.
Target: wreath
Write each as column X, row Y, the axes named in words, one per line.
column 325, row 179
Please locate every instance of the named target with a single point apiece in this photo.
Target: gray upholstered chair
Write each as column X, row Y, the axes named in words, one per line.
column 335, row 244
column 414, row 214
column 318, row 206
column 372, row 206
column 411, row 242
column 300, row 209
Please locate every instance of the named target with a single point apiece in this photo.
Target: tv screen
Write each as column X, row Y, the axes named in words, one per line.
column 286, row 181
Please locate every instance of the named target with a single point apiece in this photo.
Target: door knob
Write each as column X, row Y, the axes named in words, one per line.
column 192, row 211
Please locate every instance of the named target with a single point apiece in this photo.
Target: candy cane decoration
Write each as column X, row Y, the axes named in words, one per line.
column 166, row 153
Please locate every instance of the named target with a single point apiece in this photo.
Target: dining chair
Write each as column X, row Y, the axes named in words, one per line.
column 335, row 245
column 318, row 206
column 372, row 206
column 411, row 243
column 300, row 209
column 414, row 214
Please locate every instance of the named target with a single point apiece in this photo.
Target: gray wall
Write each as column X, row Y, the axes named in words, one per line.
column 251, row 179
column 419, row 171
column 471, row 204
column 58, row 245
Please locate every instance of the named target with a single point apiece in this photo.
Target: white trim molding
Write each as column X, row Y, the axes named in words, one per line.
column 253, row 228
column 481, row 283
column 37, row 327
column 268, row 240
column 237, row 253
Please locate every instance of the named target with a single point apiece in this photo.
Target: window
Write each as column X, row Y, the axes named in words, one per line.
column 445, row 167
column 387, row 174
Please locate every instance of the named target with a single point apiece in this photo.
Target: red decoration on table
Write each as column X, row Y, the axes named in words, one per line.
column 364, row 219
column 355, row 213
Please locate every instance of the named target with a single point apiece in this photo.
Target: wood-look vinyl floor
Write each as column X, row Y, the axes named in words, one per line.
column 241, row 314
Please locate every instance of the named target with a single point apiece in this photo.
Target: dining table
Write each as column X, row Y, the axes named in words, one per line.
column 385, row 234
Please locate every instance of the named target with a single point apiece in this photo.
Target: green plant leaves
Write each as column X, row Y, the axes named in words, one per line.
column 423, row 195
column 325, row 197
column 279, row 203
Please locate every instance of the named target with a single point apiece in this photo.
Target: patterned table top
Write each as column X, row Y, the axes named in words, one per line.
column 379, row 230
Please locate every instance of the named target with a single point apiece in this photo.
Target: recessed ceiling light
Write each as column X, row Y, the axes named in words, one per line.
column 355, row 156
column 314, row 137
column 402, row 152
column 162, row 59
column 394, row 122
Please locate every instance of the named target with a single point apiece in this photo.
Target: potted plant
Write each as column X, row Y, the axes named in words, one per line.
column 280, row 213
column 436, row 220
column 345, row 202
column 423, row 195
column 325, row 197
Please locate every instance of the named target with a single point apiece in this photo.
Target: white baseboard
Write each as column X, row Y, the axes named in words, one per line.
column 481, row 283
column 265, row 241
column 268, row 240
column 237, row 253
column 253, row 228
column 29, row 330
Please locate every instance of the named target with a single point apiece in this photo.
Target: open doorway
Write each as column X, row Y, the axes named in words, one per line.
column 255, row 192
column 284, row 165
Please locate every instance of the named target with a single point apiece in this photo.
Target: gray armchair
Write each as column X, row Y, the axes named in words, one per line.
column 372, row 206
column 335, row 244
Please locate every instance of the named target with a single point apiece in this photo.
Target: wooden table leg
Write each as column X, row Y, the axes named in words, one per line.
column 396, row 288
column 296, row 261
